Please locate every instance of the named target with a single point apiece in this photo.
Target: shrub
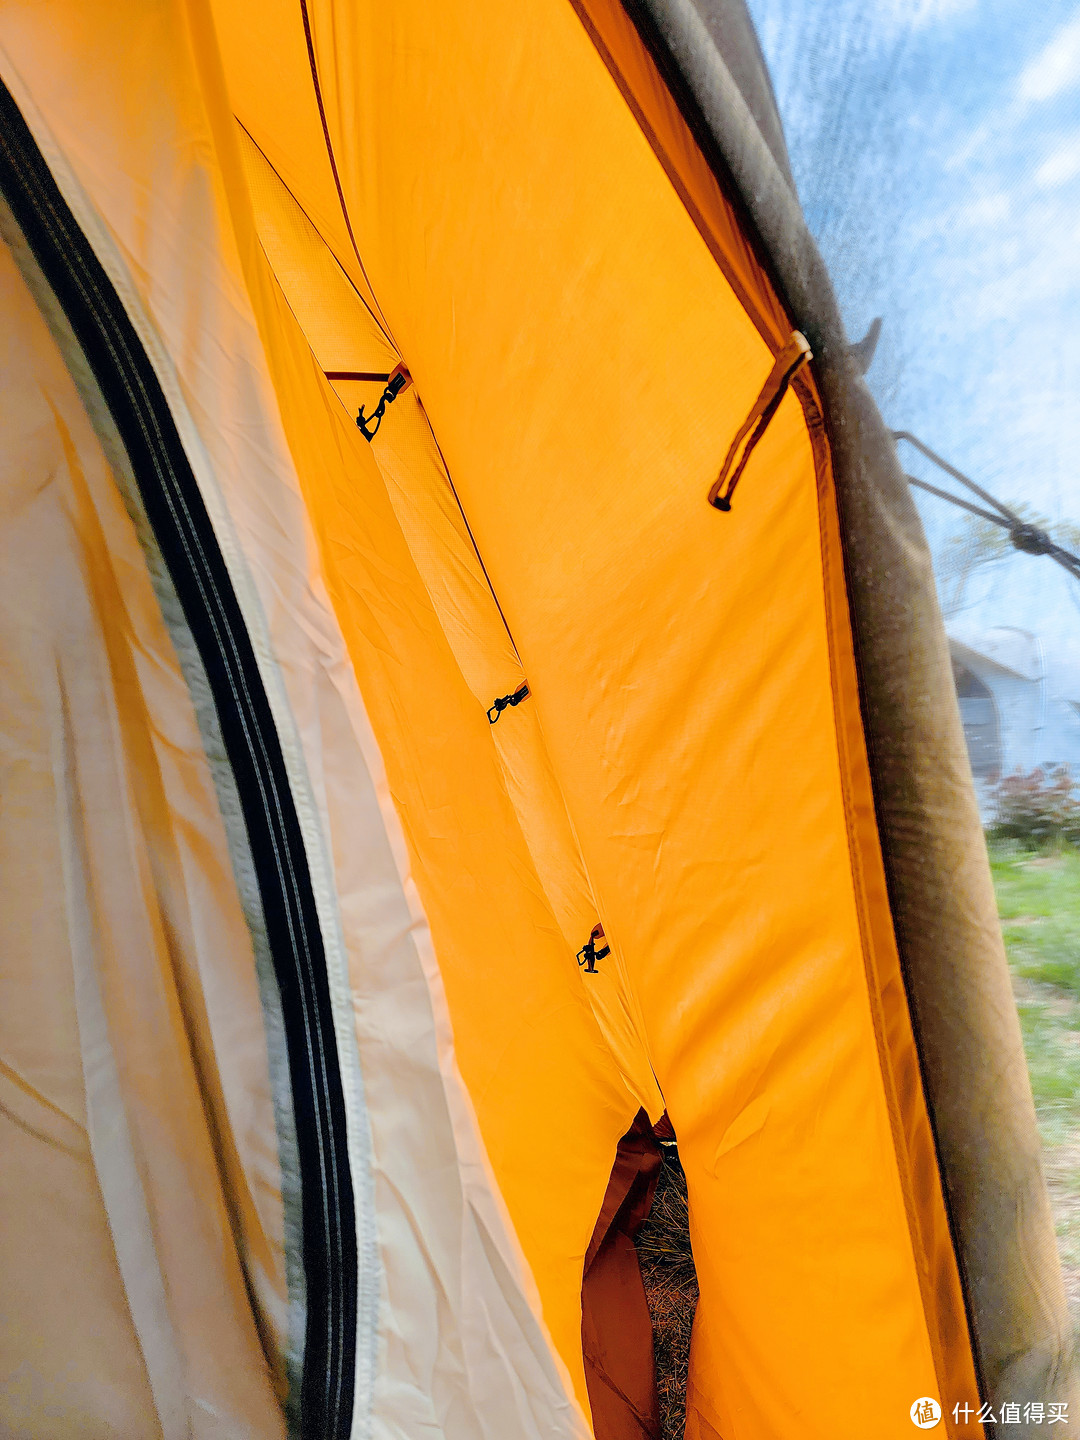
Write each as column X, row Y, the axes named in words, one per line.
column 1039, row 810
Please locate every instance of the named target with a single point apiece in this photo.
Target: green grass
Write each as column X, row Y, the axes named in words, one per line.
column 1038, row 899
column 1039, row 904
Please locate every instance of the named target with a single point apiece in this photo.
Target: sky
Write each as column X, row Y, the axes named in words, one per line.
column 936, row 148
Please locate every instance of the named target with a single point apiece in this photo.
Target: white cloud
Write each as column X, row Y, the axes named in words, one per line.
column 985, row 210
column 966, row 152
column 1061, row 165
column 925, row 12
column 915, row 14
column 1055, row 68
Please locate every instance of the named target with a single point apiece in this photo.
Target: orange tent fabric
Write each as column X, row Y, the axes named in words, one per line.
column 238, row 221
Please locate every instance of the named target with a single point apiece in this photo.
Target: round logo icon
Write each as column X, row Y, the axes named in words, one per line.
column 925, row 1413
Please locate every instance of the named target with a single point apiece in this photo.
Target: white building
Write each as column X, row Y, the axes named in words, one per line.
column 1019, row 698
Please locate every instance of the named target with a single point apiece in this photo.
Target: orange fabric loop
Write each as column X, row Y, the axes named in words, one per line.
column 791, row 359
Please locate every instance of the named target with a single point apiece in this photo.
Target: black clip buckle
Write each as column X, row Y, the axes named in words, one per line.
column 588, row 955
column 504, row 701
column 398, row 380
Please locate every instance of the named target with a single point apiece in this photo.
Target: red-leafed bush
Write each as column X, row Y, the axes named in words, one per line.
column 1039, row 810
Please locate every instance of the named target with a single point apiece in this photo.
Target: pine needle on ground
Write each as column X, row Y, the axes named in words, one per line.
column 667, row 1267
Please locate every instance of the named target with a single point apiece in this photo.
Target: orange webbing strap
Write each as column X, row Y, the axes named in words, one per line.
column 792, row 357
